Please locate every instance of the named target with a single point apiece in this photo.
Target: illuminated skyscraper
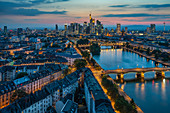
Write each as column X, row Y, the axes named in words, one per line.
column 56, row 27
column 164, row 26
column 126, row 29
column 84, row 27
column 90, row 16
column 152, row 28
column 5, row 29
column 92, row 24
column 65, row 27
column 118, row 28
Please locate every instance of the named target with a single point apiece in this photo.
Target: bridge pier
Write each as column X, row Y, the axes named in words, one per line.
column 140, row 75
column 160, row 74
column 120, row 76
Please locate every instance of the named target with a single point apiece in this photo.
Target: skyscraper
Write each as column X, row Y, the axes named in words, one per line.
column 126, row 29
column 56, row 27
column 152, row 28
column 148, row 29
column 19, row 30
column 65, row 27
column 5, row 29
column 164, row 26
column 118, row 28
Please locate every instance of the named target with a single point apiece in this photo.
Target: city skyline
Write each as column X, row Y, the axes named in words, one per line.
column 39, row 12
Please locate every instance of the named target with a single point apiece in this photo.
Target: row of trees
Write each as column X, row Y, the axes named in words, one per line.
column 94, row 48
column 120, row 103
column 156, row 53
column 91, row 61
column 83, row 41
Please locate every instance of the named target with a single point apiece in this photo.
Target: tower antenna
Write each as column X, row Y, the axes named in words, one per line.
column 164, row 26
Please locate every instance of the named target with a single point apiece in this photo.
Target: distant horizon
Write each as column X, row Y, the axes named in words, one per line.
column 61, row 26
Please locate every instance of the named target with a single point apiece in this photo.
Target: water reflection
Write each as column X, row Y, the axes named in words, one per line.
column 154, row 94
column 111, row 58
column 163, row 89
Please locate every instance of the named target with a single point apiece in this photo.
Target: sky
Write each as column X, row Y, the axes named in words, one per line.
column 49, row 12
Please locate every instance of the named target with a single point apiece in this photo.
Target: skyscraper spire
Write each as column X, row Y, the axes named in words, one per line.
column 90, row 16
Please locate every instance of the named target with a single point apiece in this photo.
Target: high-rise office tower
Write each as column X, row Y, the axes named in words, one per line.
column 93, row 26
column 56, row 27
column 126, row 29
column 152, row 28
column 84, row 27
column 164, row 26
column 112, row 30
column 19, row 30
column 148, row 29
column 118, row 28
column 65, row 27
column 5, row 29
column 90, row 18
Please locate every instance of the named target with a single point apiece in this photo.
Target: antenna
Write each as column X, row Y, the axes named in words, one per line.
column 164, row 26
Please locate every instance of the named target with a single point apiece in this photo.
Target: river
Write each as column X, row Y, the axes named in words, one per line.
column 151, row 96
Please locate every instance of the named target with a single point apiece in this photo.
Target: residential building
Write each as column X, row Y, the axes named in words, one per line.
column 96, row 99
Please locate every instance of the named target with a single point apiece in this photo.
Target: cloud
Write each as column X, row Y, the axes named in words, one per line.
column 11, row 8
column 149, row 7
column 31, row 20
column 46, row 1
column 30, row 12
column 155, row 6
column 133, row 15
column 34, row 2
column 119, row 5
column 77, row 17
column 149, row 19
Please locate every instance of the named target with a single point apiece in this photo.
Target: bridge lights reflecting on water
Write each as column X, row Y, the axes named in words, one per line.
column 163, row 86
column 143, row 90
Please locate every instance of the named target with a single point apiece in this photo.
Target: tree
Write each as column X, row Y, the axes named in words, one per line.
column 66, row 71
column 86, row 55
column 127, row 44
column 148, row 51
column 133, row 104
column 55, row 45
column 19, row 93
column 83, row 41
column 95, row 49
column 156, row 56
column 21, row 74
column 80, row 63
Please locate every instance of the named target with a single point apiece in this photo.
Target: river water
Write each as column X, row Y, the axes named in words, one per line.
column 151, row 96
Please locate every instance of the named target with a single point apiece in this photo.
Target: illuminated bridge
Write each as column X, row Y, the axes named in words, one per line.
column 141, row 72
column 102, row 44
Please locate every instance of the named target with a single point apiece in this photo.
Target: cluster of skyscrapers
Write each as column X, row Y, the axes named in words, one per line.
column 93, row 27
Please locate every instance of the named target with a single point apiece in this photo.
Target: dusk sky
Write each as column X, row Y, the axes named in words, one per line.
column 110, row 12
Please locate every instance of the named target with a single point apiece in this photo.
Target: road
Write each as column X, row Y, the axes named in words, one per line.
column 97, row 75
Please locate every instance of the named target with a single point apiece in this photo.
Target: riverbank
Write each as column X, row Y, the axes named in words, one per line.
column 126, row 97
column 148, row 57
column 97, row 74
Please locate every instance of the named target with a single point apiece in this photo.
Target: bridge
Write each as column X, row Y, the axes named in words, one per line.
column 111, row 44
column 140, row 72
column 102, row 44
